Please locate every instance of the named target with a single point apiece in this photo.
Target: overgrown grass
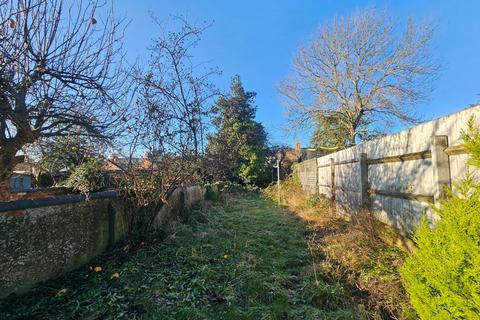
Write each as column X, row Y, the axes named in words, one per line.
column 244, row 258
column 358, row 251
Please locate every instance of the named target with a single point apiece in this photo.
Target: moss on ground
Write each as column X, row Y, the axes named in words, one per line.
column 242, row 259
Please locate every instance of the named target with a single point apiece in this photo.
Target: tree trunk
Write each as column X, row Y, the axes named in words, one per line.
column 8, row 161
column 5, row 191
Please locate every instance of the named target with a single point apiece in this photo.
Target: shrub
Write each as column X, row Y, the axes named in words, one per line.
column 291, row 191
column 143, row 194
column 230, row 187
column 212, row 192
column 317, row 201
column 88, row 177
column 443, row 276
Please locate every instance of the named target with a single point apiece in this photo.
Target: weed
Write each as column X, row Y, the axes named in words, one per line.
column 244, row 258
column 354, row 255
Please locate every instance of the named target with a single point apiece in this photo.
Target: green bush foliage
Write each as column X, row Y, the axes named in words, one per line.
column 315, row 200
column 238, row 150
column 443, row 276
column 212, row 192
column 471, row 140
column 88, row 177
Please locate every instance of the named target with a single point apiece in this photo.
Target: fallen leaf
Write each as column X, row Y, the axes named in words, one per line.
column 62, row 292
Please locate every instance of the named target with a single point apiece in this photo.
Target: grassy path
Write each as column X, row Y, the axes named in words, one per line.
column 243, row 260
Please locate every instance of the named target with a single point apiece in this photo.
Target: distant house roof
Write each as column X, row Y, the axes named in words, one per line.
column 292, row 155
column 119, row 164
column 301, row 154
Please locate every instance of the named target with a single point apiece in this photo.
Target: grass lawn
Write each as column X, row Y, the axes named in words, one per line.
column 240, row 259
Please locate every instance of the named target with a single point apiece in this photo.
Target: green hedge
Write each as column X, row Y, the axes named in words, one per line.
column 88, row 177
column 442, row 277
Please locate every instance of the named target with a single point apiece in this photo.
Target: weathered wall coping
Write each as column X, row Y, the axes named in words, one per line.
column 54, row 200
column 43, row 238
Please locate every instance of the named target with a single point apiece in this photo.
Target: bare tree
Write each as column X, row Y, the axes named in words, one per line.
column 166, row 125
column 60, row 74
column 174, row 80
column 362, row 73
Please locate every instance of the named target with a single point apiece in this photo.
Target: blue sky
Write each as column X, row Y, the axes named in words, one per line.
column 258, row 39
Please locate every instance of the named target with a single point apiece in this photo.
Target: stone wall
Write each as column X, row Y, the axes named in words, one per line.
column 44, row 238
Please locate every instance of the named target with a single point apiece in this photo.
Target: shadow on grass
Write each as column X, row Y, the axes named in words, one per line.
column 355, row 252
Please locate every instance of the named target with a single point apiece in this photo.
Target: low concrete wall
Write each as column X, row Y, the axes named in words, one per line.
column 41, row 243
column 44, row 238
column 179, row 203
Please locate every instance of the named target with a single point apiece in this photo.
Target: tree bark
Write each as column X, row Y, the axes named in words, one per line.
column 8, row 161
column 5, row 191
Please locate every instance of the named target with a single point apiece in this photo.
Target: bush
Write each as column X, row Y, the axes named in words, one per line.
column 212, row 192
column 293, row 196
column 317, row 201
column 443, row 276
column 230, row 187
column 88, row 177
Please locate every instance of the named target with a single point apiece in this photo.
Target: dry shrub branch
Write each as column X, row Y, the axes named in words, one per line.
column 166, row 126
column 357, row 251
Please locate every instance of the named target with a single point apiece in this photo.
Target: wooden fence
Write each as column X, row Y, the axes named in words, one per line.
column 399, row 177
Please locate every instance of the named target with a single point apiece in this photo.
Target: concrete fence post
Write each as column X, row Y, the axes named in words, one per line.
column 365, row 197
column 441, row 168
column 332, row 178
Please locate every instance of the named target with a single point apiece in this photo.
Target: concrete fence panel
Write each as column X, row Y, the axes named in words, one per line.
column 307, row 174
column 400, row 177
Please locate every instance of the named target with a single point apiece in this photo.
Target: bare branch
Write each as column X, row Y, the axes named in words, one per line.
column 363, row 68
column 60, row 69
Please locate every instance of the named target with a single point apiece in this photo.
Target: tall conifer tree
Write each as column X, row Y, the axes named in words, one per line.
column 238, row 150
